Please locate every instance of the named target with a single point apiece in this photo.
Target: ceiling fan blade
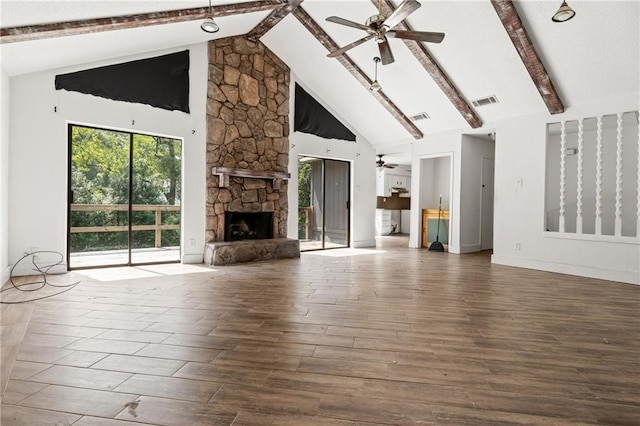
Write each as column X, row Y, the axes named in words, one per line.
column 405, row 9
column 348, row 23
column 416, row 35
column 385, row 52
column 350, row 46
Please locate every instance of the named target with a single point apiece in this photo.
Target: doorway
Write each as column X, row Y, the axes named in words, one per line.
column 435, row 199
column 124, row 198
column 323, row 203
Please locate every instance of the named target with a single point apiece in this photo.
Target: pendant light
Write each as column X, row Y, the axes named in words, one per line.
column 375, row 86
column 564, row 13
column 209, row 25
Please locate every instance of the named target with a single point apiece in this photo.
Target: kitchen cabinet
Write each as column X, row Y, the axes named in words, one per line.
column 389, row 182
column 383, row 222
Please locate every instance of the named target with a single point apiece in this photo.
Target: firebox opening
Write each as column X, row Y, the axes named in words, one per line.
column 248, row 226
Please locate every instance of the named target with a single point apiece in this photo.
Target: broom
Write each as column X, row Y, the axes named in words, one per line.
column 437, row 245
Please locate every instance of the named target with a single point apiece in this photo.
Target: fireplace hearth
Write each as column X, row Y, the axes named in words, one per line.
column 240, row 226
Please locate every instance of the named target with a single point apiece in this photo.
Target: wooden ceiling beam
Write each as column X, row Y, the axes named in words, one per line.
column 313, row 27
column 272, row 20
column 436, row 72
column 87, row 26
column 518, row 34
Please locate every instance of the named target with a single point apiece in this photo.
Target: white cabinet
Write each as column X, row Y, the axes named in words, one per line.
column 389, row 182
column 383, row 222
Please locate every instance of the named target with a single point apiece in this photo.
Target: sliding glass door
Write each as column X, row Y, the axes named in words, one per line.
column 323, row 203
column 124, row 198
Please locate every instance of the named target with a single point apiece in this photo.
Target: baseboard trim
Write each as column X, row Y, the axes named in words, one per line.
column 192, row 258
column 627, row 277
column 363, row 243
column 470, row 248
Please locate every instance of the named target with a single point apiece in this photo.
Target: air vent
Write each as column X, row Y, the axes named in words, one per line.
column 420, row 116
column 485, row 101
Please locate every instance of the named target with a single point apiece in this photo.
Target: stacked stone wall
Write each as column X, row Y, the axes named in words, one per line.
column 247, row 128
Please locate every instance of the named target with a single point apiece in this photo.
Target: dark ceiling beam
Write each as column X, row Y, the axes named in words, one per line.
column 272, row 20
column 518, row 34
column 87, row 26
column 353, row 69
column 436, row 72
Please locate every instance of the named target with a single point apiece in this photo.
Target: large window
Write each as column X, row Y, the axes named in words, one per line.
column 124, row 198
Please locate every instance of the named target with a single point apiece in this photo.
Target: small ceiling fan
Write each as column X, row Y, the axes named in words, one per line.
column 382, row 165
column 381, row 26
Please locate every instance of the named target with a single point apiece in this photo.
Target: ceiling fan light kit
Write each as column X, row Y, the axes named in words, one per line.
column 209, row 25
column 380, row 27
column 375, row 86
column 564, row 13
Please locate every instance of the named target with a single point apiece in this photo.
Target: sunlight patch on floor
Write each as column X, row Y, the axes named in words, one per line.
column 146, row 271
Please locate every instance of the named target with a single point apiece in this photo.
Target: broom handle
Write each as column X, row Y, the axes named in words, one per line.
column 438, row 228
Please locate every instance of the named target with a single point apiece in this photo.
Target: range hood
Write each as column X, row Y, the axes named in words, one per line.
column 399, row 189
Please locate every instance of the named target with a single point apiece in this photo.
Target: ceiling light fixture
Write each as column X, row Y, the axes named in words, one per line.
column 209, row 25
column 375, row 86
column 564, row 13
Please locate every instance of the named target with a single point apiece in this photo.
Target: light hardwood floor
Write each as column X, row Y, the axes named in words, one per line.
column 344, row 337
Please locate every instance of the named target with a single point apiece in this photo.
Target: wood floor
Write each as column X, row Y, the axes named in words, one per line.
column 344, row 337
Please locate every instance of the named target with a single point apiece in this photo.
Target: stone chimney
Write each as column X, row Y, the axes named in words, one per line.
column 247, row 131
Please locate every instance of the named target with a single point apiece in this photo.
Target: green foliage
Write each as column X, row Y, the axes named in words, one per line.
column 100, row 165
column 304, row 196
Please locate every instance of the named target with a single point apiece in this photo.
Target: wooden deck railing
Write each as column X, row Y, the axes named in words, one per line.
column 307, row 213
column 158, row 227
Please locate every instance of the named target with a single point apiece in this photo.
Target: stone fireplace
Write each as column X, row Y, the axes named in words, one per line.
column 247, row 153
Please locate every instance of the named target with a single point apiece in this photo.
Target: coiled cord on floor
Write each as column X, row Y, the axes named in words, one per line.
column 42, row 269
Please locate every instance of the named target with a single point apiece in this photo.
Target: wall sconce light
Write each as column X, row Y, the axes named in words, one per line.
column 375, row 86
column 209, row 25
column 564, row 13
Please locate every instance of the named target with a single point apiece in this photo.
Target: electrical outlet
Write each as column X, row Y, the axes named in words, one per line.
column 192, row 242
column 516, row 245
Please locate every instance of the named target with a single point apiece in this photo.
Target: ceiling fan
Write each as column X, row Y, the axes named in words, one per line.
column 381, row 26
column 382, row 165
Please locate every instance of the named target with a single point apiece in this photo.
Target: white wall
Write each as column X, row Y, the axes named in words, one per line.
column 4, row 175
column 39, row 151
column 474, row 149
column 520, row 209
column 363, row 176
column 436, row 181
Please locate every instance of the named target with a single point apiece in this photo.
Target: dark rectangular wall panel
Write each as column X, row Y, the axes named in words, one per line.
column 311, row 117
column 162, row 82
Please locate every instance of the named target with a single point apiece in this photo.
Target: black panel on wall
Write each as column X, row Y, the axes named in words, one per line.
column 161, row 82
column 311, row 117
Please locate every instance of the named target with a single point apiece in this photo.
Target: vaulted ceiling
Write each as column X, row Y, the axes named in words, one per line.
column 509, row 50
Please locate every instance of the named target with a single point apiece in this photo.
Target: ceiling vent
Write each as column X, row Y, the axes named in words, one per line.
column 485, row 101
column 420, row 116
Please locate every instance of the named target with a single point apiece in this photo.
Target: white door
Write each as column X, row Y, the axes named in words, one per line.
column 486, row 220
